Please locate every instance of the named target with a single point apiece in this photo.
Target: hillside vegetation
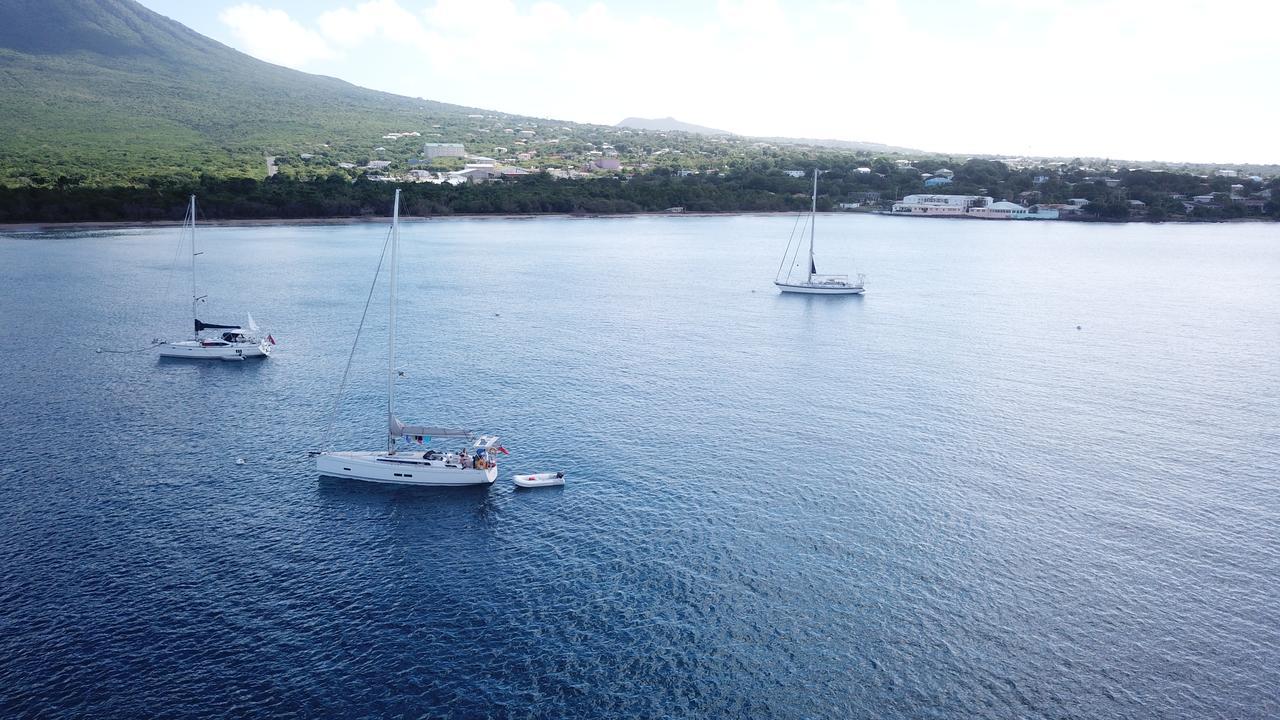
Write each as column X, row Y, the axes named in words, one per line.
column 107, row 92
column 113, row 112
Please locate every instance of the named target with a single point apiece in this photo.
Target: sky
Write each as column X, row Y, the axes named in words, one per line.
column 1174, row 80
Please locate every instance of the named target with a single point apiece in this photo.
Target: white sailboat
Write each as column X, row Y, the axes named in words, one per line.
column 225, row 342
column 812, row 283
column 474, row 464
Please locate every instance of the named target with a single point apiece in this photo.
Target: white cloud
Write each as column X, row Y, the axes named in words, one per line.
column 273, row 36
column 1140, row 79
column 377, row 19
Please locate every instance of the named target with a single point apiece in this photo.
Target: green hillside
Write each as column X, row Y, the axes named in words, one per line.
column 109, row 92
column 113, row 112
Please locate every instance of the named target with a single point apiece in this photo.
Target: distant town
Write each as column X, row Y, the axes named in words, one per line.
column 1025, row 189
column 504, row 164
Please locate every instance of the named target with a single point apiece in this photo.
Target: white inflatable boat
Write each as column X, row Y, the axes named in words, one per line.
column 539, row 480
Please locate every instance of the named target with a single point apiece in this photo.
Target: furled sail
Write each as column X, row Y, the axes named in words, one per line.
column 210, row 326
column 399, row 429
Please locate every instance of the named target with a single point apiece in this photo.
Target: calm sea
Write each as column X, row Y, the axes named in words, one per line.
column 1033, row 473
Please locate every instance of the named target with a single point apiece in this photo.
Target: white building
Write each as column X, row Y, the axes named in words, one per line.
column 975, row 206
column 1002, row 210
column 434, row 150
column 794, row 173
column 939, row 204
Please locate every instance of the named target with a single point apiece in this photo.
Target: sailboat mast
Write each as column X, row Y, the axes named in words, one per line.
column 195, row 297
column 813, row 220
column 391, row 324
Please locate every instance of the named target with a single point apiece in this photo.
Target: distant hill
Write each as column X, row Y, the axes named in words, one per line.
column 109, row 91
column 668, row 124
column 853, row 145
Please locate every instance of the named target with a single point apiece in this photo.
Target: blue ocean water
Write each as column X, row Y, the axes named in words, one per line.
column 1034, row 473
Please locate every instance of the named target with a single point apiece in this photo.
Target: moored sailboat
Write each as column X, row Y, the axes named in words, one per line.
column 474, row 464
column 811, row 282
column 212, row 341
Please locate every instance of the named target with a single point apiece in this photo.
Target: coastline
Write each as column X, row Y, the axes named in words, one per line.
column 25, row 227
column 354, row 220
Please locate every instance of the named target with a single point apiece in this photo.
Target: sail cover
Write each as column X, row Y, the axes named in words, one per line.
column 210, row 326
column 399, row 429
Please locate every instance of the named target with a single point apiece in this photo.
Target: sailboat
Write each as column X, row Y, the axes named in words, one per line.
column 811, row 282
column 475, row 463
column 211, row 341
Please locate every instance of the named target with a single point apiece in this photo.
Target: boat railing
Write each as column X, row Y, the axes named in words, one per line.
column 843, row 279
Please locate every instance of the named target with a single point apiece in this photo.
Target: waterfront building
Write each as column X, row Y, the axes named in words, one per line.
column 939, row 204
column 1002, row 210
column 974, row 206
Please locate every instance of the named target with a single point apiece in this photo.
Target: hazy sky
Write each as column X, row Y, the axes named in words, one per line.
column 1192, row 80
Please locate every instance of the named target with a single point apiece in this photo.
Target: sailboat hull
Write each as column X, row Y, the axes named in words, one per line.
column 401, row 469
column 193, row 350
column 820, row 288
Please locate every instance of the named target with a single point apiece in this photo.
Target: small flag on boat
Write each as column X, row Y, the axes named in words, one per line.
column 502, row 450
column 271, row 340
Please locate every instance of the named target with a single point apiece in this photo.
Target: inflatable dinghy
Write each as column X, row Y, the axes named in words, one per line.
column 535, row 480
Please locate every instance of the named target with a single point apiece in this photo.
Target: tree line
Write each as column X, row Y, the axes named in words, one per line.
column 753, row 186
column 336, row 197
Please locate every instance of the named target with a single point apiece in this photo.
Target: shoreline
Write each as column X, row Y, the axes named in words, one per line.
column 42, row 226
column 356, row 220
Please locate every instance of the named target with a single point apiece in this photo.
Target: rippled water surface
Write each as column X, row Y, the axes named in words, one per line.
column 943, row 499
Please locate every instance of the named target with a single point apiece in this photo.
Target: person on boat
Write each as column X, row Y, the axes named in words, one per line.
column 464, row 459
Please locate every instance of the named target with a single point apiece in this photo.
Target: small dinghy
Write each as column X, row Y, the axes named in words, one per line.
column 535, row 480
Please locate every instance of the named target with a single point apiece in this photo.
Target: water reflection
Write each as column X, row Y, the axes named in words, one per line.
column 443, row 503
